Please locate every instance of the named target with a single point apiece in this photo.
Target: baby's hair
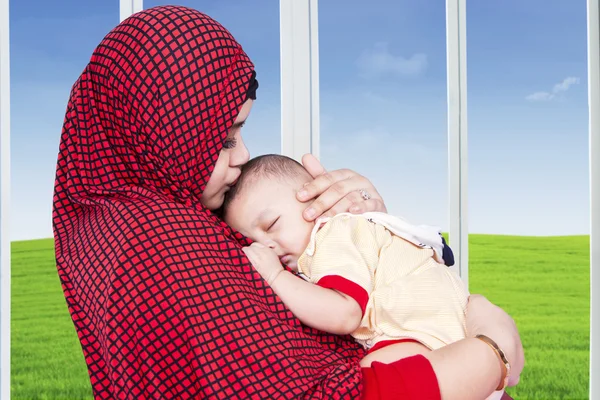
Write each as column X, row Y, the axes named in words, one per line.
column 265, row 166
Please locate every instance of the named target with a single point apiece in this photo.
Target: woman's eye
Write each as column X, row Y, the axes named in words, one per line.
column 229, row 143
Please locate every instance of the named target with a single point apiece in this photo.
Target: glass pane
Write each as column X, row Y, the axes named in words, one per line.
column 383, row 101
column 51, row 42
column 255, row 25
column 50, row 45
column 528, row 176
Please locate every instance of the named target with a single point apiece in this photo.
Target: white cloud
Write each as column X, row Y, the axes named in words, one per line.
column 565, row 84
column 540, row 96
column 556, row 90
column 379, row 61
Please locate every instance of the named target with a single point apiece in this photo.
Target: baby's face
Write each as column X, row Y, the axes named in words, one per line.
column 268, row 212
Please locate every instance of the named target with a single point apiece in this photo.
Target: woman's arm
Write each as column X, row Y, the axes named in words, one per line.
column 465, row 370
column 321, row 308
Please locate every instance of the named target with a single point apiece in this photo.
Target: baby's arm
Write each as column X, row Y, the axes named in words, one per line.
column 319, row 307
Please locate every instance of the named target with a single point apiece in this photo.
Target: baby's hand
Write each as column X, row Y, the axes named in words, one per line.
column 264, row 260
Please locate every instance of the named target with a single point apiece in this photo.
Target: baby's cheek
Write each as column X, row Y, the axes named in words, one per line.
column 304, row 237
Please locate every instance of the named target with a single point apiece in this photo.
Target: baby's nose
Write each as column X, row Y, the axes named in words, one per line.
column 273, row 246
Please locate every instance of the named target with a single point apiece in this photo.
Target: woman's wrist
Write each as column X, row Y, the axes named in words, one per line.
column 491, row 356
column 488, row 319
column 504, row 364
column 503, row 340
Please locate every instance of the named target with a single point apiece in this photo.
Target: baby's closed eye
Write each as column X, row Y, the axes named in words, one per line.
column 272, row 224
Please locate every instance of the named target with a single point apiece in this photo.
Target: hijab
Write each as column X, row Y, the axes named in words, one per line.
column 164, row 302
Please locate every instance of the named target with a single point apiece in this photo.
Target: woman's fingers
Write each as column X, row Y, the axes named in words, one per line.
column 338, row 191
column 330, row 188
column 341, row 206
column 354, row 203
column 312, row 165
column 519, row 363
column 368, row 206
column 338, row 181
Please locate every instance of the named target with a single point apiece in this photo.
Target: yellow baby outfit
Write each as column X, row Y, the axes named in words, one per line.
column 403, row 291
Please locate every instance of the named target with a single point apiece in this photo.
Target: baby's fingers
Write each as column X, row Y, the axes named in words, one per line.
column 251, row 254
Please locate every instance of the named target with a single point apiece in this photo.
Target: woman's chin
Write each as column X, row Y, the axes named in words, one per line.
column 214, row 202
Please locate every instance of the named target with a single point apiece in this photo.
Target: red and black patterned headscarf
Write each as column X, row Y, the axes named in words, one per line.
column 164, row 301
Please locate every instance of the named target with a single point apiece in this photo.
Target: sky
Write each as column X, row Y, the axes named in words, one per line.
column 383, row 103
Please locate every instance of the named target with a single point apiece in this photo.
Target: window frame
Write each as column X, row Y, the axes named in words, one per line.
column 5, row 255
column 593, row 32
column 299, row 46
column 129, row 7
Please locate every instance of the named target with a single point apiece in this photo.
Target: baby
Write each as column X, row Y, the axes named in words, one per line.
column 373, row 276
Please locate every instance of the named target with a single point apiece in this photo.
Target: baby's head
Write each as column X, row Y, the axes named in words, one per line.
column 263, row 206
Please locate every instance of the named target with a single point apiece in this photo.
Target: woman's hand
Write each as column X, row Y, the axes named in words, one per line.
column 488, row 319
column 338, row 191
column 469, row 369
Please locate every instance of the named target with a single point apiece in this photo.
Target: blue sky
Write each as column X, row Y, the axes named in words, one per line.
column 383, row 102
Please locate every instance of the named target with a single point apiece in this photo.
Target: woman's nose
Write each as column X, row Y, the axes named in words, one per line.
column 240, row 155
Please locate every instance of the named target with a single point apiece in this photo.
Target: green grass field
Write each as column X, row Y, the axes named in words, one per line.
column 542, row 282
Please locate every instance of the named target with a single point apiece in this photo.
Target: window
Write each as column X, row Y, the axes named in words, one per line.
column 50, row 46
column 529, row 178
column 383, row 101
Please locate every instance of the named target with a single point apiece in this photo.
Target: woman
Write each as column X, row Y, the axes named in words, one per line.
column 164, row 301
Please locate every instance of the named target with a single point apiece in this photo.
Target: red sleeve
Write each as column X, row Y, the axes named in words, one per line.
column 411, row 378
column 347, row 287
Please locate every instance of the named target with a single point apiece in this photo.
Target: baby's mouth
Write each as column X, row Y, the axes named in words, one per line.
column 285, row 259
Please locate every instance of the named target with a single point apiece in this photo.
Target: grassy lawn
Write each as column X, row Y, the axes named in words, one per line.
column 542, row 282
column 46, row 357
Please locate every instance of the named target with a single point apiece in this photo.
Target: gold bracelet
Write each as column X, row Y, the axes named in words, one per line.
column 505, row 364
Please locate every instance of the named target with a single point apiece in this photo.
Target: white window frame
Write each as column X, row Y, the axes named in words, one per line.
column 129, row 7
column 456, row 58
column 593, row 32
column 299, row 43
column 4, row 200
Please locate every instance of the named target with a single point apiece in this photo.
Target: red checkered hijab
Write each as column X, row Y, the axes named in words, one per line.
column 164, row 302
